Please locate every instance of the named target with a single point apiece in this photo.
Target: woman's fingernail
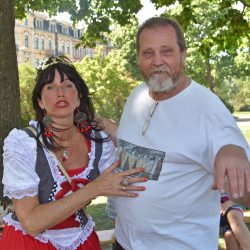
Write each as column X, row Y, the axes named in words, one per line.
column 142, row 169
column 145, row 179
column 135, row 195
column 143, row 188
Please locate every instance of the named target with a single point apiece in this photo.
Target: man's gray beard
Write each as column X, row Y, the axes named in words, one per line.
column 161, row 85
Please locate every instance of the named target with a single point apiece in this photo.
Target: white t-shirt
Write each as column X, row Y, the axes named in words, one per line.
column 178, row 210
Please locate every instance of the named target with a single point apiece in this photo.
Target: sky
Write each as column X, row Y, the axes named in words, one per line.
column 146, row 12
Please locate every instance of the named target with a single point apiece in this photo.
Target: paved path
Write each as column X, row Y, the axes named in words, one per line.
column 99, row 200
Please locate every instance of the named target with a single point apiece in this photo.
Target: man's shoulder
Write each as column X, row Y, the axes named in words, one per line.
column 141, row 86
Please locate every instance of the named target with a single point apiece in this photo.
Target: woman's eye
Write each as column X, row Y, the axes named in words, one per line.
column 68, row 84
column 49, row 87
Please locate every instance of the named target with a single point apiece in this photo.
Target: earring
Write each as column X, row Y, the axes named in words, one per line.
column 47, row 122
column 80, row 119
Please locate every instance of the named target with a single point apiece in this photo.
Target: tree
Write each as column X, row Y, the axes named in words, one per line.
column 9, row 94
column 108, row 81
column 211, row 27
column 123, row 41
column 27, row 74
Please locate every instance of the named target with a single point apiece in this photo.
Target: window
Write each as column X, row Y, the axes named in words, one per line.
column 68, row 49
column 90, row 53
column 52, row 27
column 37, row 63
column 75, row 33
column 39, row 24
column 26, row 22
column 50, row 44
column 26, row 40
column 27, row 57
column 65, row 30
column 36, row 43
column 42, row 43
column 63, row 48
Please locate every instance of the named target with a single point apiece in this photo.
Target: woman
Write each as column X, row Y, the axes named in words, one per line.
column 56, row 166
column 236, row 233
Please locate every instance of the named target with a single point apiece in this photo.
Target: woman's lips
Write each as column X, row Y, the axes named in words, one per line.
column 62, row 104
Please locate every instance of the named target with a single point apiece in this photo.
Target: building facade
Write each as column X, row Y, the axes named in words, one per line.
column 39, row 36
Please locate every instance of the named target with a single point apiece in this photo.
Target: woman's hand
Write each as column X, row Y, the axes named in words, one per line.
column 110, row 183
column 36, row 217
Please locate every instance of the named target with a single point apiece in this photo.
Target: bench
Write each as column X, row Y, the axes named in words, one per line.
column 246, row 216
column 106, row 236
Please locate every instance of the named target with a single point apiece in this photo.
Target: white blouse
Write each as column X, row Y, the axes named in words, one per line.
column 21, row 180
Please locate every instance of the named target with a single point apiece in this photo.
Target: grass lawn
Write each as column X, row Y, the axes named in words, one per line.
column 242, row 114
column 246, row 132
column 102, row 221
column 244, row 127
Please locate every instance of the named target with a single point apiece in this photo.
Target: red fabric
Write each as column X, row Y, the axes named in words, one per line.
column 15, row 240
column 76, row 171
column 66, row 187
column 73, row 186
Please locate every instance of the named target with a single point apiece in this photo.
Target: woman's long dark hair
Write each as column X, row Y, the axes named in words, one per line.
column 46, row 75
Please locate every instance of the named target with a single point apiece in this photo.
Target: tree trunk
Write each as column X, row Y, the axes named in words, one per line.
column 10, row 113
column 210, row 78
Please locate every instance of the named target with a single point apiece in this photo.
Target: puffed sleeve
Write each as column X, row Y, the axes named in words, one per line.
column 19, row 160
column 109, row 154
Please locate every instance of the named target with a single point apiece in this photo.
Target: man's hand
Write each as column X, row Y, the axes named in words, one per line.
column 232, row 166
column 109, row 127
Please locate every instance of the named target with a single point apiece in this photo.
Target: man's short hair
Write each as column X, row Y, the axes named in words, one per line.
column 161, row 21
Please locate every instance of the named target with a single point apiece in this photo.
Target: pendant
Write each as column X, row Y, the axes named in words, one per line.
column 65, row 155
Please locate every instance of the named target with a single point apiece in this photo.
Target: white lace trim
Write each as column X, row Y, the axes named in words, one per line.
column 57, row 173
column 19, row 194
column 62, row 239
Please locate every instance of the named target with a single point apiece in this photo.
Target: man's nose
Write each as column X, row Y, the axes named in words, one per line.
column 158, row 60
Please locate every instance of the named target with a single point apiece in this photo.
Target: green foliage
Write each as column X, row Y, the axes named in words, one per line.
column 97, row 15
column 213, row 29
column 123, row 41
column 229, row 106
column 109, row 82
column 227, row 25
column 27, row 74
column 245, row 108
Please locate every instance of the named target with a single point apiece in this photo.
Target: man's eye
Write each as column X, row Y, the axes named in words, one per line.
column 147, row 53
column 166, row 52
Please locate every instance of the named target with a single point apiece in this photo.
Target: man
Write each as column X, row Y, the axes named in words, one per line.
column 188, row 143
